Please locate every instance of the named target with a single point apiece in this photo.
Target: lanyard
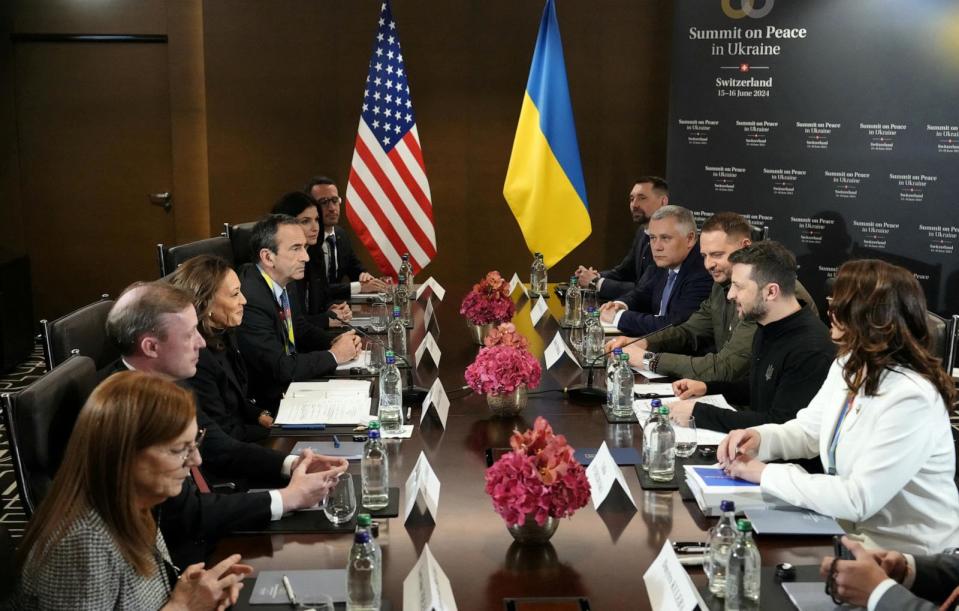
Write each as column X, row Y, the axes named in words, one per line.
column 846, row 406
column 286, row 316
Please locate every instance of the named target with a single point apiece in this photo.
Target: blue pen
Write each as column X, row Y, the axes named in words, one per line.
column 336, row 441
column 304, row 427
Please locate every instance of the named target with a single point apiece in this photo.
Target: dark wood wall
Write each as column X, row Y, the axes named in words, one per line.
column 265, row 94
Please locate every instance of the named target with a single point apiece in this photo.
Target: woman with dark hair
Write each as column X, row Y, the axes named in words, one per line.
column 220, row 382
column 94, row 543
column 880, row 422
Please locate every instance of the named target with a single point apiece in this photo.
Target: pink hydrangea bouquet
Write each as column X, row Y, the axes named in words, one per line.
column 506, row 335
column 489, row 301
column 502, row 368
column 539, row 478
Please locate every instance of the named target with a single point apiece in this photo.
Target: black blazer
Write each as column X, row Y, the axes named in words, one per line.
column 692, row 286
column 220, row 385
column 623, row 278
column 348, row 265
column 261, row 339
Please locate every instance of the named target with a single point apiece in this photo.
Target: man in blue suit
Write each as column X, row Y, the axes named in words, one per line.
column 670, row 292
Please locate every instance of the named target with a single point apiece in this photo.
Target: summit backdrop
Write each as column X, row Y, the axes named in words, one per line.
column 833, row 123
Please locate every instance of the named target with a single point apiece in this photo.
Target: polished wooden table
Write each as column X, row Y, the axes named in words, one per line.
column 601, row 555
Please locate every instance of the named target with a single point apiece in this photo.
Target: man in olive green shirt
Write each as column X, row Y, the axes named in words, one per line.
column 713, row 345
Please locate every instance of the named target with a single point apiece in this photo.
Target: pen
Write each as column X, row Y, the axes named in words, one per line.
column 336, row 441
column 692, row 549
column 289, row 590
column 304, row 427
column 678, row 544
column 692, row 560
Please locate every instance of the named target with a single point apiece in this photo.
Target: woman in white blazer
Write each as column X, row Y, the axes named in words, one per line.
column 879, row 423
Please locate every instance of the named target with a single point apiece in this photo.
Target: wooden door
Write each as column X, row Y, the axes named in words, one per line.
column 94, row 137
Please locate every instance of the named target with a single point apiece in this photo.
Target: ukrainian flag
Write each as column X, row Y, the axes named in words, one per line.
column 544, row 182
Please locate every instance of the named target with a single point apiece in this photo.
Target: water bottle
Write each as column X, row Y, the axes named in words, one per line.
column 611, row 366
column 662, row 449
column 396, row 332
column 375, row 470
column 409, row 275
column 364, row 521
column 721, row 538
column 390, row 412
column 404, row 269
column 594, row 338
column 364, row 575
column 742, row 570
column 648, row 426
column 537, row 276
column 623, row 380
column 574, row 304
column 402, row 299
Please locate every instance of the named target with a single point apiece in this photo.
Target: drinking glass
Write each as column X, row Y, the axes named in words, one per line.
column 376, row 353
column 339, row 506
column 576, row 338
column 590, row 300
column 686, row 439
column 379, row 318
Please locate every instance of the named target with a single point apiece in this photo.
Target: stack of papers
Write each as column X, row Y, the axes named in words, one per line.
column 711, row 485
column 334, row 402
column 362, row 361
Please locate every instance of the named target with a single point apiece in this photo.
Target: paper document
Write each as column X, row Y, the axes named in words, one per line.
column 792, row 521
column 362, row 361
column 810, row 596
column 329, row 409
column 350, row 450
column 328, row 387
column 664, row 389
column 309, row 587
column 704, row 437
column 611, row 329
column 647, row 373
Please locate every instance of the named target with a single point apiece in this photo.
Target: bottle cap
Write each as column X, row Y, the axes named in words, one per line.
column 726, row 506
column 617, row 351
column 572, row 280
column 623, row 356
column 664, row 411
column 396, row 311
column 374, row 424
column 655, row 403
column 744, row 526
column 785, row 572
column 364, row 519
column 361, row 536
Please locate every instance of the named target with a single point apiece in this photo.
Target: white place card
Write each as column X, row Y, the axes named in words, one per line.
column 538, row 310
column 556, row 349
column 602, row 473
column 428, row 315
column 428, row 343
column 669, row 585
column 423, row 484
column 434, row 286
column 516, row 282
column 439, row 400
column 427, row 588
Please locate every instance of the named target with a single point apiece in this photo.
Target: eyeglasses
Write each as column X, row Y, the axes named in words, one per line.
column 336, row 199
column 188, row 451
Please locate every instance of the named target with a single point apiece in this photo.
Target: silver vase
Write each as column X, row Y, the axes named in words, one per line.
column 509, row 403
column 479, row 332
column 531, row 533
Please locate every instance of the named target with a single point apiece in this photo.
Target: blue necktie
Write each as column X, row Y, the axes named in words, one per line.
column 286, row 316
column 667, row 292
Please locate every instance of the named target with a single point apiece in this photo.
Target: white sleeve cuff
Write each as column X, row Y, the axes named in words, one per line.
column 878, row 593
column 354, row 288
column 910, row 577
column 276, row 505
column 599, row 283
column 287, row 468
column 617, row 316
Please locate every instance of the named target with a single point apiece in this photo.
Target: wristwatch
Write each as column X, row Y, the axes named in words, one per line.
column 652, row 360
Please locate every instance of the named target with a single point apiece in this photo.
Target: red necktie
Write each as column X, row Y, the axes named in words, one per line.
column 199, row 480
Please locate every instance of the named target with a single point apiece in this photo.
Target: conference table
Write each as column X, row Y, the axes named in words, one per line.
column 597, row 554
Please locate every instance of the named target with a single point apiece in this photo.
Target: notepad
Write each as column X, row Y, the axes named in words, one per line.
column 309, row 587
column 350, row 450
column 792, row 521
column 334, row 402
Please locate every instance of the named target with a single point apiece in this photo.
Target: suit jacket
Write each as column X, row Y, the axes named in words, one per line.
column 936, row 577
column 692, row 286
column 220, row 385
column 623, row 278
column 348, row 264
column 261, row 339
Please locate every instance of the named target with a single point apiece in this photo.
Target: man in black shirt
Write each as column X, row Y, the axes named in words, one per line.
column 791, row 350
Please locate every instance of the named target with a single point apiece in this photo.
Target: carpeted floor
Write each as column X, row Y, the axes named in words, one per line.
column 11, row 514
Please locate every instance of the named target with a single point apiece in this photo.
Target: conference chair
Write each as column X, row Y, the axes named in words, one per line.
column 240, row 235
column 952, row 350
column 39, row 420
column 942, row 333
column 758, row 234
column 8, row 566
column 170, row 258
column 82, row 331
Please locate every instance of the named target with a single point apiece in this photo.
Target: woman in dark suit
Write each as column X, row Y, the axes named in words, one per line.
column 220, row 382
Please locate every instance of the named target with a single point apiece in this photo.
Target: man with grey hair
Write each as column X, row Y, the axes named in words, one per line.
column 670, row 292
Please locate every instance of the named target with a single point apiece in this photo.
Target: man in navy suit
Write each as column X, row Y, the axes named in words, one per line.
column 649, row 194
column 670, row 292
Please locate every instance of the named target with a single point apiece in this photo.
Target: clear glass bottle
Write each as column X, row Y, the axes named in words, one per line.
column 574, row 303
column 396, row 333
column 409, row 275
column 648, row 427
column 593, row 338
column 623, row 381
column 612, row 364
column 537, row 276
column 364, row 575
column 720, row 539
column 742, row 570
column 662, row 449
column 390, row 412
column 364, row 521
column 375, row 470
column 402, row 299
column 405, row 270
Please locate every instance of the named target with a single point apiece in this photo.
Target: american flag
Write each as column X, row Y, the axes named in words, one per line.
column 388, row 196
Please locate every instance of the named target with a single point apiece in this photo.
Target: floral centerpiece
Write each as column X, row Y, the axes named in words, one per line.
column 488, row 303
column 503, row 370
column 537, row 483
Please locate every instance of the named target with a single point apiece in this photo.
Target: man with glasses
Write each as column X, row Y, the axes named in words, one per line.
column 333, row 248
column 155, row 327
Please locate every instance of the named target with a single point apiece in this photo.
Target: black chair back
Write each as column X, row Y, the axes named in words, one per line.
column 8, row 566
column 939, row 329
column 82, row 331
column 39, row 420
column 758, row 234
column 952, row 350
column 240, row 238
column 170, row 258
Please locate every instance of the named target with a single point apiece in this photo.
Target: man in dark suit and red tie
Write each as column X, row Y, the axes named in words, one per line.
column 670, row 292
